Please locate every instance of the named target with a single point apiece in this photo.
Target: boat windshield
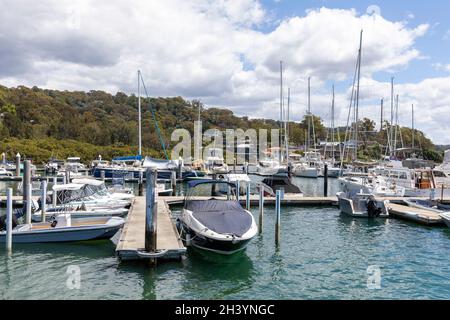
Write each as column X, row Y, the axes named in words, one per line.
column 219, row 190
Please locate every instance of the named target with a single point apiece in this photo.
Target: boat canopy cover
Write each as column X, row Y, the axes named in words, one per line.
column 91, row 182
column 221, row 216
column 159, row 164
column 278, row 182
column 193, row 183
column 128, row 158
column 68, row 186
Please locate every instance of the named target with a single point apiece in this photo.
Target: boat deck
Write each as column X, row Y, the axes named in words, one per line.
column 418, row 215
column 132, row 239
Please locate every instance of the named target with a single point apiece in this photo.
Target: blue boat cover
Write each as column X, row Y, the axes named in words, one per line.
column 221, row 216
column 128, row 158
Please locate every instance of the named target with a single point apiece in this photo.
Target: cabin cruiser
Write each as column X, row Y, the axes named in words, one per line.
column 98, row 187
column 5, row 173
column 214, row 162
column 84, row 196
column 362, row 205
column 219, row 224
column 370, row 184
column 280, row 182
column 269, row 167
column 53, row 165
column 309, row 165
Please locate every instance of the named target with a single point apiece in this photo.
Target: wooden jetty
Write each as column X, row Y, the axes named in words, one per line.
column 419, row 215
column 288, row 200
column 132, row 240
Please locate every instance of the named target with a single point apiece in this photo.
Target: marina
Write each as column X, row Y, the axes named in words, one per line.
column 231, row 150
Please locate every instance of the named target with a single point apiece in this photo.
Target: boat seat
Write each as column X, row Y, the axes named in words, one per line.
column 63, row 220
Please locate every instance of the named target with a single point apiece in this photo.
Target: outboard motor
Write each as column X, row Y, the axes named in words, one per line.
column 372, row 210
column 15, row 222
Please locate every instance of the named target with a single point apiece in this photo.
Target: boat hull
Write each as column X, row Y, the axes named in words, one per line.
column 66, row 234
column 227, row 247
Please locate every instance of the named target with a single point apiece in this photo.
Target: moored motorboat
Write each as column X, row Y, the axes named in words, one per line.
column 218, row 224
column 362, row 205
column 65, row 229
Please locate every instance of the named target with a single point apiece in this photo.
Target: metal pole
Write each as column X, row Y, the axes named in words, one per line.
column 28, row 204
column 247, row 196
column 150, row 218
column 9, row 213
column 26, row 181
column 102, row 175
column 3, row 158
column 238, row 190
column 43, row 199
column 139, row 113
column 261, row 208
column 278, row 213
column 325, row 180
column 18, row 165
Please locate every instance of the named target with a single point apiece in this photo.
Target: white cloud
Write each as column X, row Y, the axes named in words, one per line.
column 212, row 50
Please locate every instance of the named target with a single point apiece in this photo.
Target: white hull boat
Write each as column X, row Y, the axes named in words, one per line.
column 66, row 230
column 362, row 206
column 216, row 225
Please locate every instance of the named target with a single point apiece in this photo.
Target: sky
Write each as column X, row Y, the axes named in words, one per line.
column 227, row 53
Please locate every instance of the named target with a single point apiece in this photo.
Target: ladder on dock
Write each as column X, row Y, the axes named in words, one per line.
column 132, row 240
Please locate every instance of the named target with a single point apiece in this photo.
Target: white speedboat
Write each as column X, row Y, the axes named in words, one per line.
column 303, row 170
column 53, row 212
column 5, row 173
column 65, row 229
column 362, row 205
column 219, row 224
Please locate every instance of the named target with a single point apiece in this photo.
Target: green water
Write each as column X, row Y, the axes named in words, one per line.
column 322, row 255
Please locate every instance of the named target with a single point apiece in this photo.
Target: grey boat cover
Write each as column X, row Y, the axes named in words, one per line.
column 225, row 217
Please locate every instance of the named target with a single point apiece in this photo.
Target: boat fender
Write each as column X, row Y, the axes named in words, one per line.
column 372, row 210
column 54, row 223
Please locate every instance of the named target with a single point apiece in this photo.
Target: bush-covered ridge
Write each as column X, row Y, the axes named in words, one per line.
column 40, row 123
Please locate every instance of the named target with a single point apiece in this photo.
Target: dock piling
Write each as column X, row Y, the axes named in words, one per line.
column 238, row 191
column 247, row 196
column 173, row 182
column 261, row 209
column 141, row 183
column 26, row 182
column 3, row 158
column 18, row 165
column 325, row 180
column 54, row 193
column 150, row 209
column 9, row 213
column 43, row 199
column 67, row 175
column 102, row 175
column 278, row 214
column 28, row 204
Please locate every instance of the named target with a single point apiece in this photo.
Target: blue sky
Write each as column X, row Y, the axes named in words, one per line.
column 434, row 46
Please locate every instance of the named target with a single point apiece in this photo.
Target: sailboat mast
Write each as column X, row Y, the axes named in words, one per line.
column 412, row 126
column 139, row 114
column 286, row 138
column 381, row 120
column 392, row 118
column 357, row 95
column 332, row 127
column 309, row 115
column 281, row 111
